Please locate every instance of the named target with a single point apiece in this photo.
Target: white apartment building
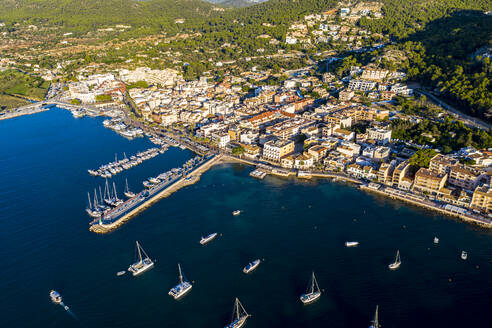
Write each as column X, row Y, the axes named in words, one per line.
column 361, row 85
column 382, row 136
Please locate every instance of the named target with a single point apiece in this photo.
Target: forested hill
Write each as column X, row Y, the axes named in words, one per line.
column 93, row 14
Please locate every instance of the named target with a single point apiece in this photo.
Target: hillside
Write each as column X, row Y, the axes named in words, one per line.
column 91, row 14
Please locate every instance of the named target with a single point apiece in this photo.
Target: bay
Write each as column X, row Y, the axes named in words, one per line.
column 294, row 226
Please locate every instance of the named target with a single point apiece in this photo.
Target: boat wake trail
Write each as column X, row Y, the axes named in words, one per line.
column 68, row 310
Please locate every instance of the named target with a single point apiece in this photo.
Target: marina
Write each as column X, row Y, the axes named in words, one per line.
column 116, row 124
column 173, row 180
column 117, row 166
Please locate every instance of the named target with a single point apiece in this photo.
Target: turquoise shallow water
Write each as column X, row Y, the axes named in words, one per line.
column 295, row 226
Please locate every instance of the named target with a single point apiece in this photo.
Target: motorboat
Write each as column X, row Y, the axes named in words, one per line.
column 251, row 266
column 208, row 238
column 351, row 243
column 55, row 297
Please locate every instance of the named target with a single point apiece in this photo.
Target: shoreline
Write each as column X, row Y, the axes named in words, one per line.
column 362, row 186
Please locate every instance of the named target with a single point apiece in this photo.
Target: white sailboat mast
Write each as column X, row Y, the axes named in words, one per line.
column 139, row 253
column 180, row 274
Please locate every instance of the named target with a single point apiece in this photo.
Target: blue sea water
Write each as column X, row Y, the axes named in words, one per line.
column 294, row 226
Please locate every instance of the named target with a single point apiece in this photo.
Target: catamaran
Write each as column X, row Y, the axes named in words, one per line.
column 239, row 315
column 182, row 288
column 375, row 322
column 143, row 264
column 351, row 243
column 313, row 292
column 251, row 266
column 208, row 238
column 127, row 192
column 395, row 265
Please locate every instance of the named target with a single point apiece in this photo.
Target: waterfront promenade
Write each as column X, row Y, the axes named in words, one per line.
column 24, row 110
column 131, row 211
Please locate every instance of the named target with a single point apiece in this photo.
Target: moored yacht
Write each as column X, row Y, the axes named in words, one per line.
column 464, row 255
column 395, row 265
column 208, row 238
column 436, row 240
column 239, row 315
column 182, row 288
column 142, row 264
column 55, row 297
column 127, row 192
column 251, row 266
column 313, row 292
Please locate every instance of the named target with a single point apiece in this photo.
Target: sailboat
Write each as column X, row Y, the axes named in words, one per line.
column 239, row 315
column 107, row 195
column 143, row 263
column 116, row 200
column 127, row 192
column 313, row 292
column 92, row 210
column 375, row 322
column 395, row 265
column 182, row 288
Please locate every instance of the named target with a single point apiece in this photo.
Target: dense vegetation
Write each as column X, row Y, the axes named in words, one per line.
column 77, row 16
column 448, row 135
column 13, row 82
column 439, row 39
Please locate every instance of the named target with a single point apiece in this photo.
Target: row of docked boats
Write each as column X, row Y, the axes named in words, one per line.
column 117, row 125
column 171, row 174
column 117, row 166
column 107, row 205
column 103, row 202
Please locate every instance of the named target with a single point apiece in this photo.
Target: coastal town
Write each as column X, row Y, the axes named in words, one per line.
column 283, row 130
column 334, row 121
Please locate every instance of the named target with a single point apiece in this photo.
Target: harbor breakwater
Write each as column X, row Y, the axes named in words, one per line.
column 191, row 178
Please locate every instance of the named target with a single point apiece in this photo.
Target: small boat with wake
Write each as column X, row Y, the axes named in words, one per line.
column 236, row 212
column 55, row 297
column 351, row 243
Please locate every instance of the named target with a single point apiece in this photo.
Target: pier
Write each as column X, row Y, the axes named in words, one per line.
column 123, row 213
